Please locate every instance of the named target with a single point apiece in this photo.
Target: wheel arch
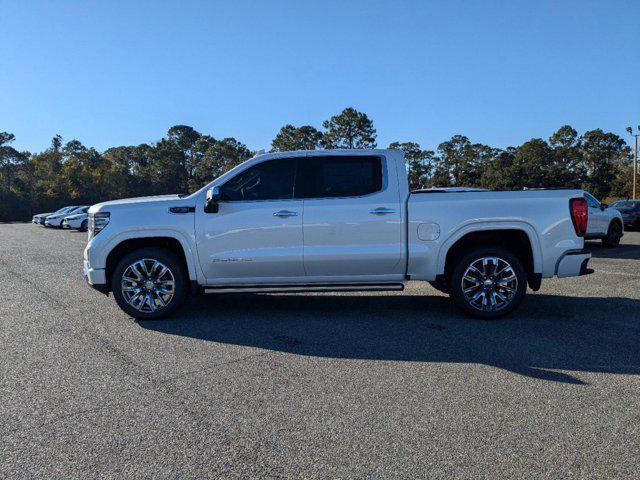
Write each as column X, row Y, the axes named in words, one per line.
column 168, row 241
column 519, row 238
column 616, row 220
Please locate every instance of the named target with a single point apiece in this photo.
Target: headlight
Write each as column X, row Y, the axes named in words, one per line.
column 97, row 222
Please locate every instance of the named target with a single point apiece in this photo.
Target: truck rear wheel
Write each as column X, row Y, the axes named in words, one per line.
column 488, row 283
column 149, row 283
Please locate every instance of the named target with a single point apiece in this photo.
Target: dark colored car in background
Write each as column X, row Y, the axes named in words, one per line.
column 630, row 210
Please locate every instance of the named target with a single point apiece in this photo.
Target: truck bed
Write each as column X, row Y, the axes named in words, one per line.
column 437, row 219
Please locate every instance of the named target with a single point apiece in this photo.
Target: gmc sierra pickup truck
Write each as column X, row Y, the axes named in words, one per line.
column 333, row 220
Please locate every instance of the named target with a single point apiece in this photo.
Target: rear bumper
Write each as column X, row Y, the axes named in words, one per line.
column 573, row 264
column 95, row 277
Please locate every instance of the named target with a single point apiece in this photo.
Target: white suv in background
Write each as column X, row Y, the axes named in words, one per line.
column 77, row 220
column 605, row 223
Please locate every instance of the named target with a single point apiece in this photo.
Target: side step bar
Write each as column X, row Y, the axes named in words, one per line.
column 324, row 287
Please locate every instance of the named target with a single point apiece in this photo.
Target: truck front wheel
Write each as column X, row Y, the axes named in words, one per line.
column 149, row 283
column 488, row 283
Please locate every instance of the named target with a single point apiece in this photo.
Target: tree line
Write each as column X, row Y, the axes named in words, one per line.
column 185, row 160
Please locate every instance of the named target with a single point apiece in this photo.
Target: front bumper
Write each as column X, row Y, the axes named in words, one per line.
column 95, row 277
column 573, row 264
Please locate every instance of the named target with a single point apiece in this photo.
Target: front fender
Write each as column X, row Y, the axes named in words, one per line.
column 141, row 232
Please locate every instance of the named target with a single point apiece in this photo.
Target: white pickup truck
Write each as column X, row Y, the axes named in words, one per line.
column 333, row 220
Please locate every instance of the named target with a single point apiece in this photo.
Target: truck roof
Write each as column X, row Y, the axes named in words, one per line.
column 331, row 152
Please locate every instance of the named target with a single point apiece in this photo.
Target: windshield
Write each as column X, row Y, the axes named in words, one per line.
column 79, row 210
column 64, row 209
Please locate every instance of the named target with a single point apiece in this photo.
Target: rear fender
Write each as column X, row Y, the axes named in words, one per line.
column 484, row 226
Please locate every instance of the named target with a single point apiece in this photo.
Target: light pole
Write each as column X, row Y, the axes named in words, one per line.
column 635, row 157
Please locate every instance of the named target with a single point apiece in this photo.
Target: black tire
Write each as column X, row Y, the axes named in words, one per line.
column 177, row 272
column 84, row 225
column 614, row 234
column 514, row 299
column 441, row 286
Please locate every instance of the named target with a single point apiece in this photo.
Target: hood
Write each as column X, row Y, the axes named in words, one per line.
column 43, row 214
column 627, row 210
column 140, row 203
column 75, row 216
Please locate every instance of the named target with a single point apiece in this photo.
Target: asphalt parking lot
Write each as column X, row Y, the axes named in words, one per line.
column 315, row 386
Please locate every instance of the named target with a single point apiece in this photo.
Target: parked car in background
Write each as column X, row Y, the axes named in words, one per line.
column 630, row 211
column 56, row 219
column 77, row 221
column 605, row 223
column 41, row 217
column 363, row 231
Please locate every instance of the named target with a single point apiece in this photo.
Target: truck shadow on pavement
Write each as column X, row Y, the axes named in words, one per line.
column 626, row 251
column 549, row 333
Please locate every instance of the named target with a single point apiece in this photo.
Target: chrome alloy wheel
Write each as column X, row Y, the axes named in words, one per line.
column 147, row 285
column 489, row 284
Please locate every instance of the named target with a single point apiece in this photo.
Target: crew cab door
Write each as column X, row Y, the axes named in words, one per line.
column 352, row 216
column 256, row 235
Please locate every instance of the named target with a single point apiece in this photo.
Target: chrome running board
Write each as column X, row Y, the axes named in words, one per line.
column 325, row 287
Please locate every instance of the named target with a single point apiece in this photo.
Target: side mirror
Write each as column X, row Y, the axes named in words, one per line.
column 603, row 206
column 213, row 197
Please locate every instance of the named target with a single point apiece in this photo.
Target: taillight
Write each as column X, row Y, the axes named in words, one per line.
column 579, row 215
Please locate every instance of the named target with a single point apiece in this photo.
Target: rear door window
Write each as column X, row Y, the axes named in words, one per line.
column 338, row 176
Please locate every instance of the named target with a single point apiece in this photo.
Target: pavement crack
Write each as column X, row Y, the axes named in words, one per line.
column 209, row 367
column 155, row 384
column 34, row 285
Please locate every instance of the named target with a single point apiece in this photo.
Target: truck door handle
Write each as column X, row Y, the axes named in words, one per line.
column 381, row 211
column 285, row 213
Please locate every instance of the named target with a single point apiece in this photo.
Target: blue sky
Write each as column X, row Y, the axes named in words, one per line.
column 120, row 73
